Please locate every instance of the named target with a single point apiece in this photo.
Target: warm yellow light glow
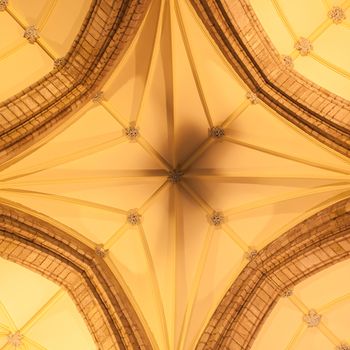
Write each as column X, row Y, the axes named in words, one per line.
column 264, row 175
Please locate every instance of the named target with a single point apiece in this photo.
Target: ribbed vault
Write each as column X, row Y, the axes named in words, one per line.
column 53, row 253
column 238, row 33
column 105, row 34
column 191, row 192
column 313, row 245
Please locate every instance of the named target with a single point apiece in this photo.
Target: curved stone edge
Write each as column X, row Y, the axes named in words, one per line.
column 239, row 35
column 53, row 253
column 107, row 31
column 311, row 246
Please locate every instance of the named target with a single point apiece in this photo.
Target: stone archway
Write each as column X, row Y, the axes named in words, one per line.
column 106, row 33
column 237, row 32
column 41, row 247
column 313, row 245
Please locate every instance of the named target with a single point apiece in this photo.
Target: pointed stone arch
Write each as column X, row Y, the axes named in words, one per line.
column 56, row 255
column 106, row 33
column 311, row 246
column 237, row 32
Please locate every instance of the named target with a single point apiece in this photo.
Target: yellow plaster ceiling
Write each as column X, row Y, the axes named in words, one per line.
column 328, row 294
column 42, row 313
column 328, row 63
column 174, row 85
column 23, row 63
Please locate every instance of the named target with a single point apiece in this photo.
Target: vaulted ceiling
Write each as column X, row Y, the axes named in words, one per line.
column 39, row 311
column 326, row 26
column 23, row 63
column 175, row 170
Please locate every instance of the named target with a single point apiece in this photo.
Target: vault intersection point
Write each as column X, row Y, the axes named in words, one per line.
column 251, row 253
column 101, row 251
column 132, row 132
column 133, row 217
column 216, row 219
column 3, row 4
column 304, row 46
column 288, row 292
column 15, row 339
column 337, row 14
column 216, row 132
column 312, row 319
column 287, row 61
column 175, row 175
column 252, row 97
column 58, row 63
column 98, row 97
column 31, row 34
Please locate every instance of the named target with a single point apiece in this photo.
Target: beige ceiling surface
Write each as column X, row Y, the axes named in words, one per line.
column 328, row 293
column 23, row 63
column 328, row 63
column 40, row 312
column 174, row 86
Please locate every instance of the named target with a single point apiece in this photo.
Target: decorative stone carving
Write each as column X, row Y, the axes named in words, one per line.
column 312, row 319
column 252, row 97
column 101, row 251
column 287, row 61
column 304, row 46
column 251, row 254
column 15, row 339
column 216, row 132
column 31, row 34
column 133, row 218
column 216, row 219
column 287, row 292
column 98, row 97
column 58, row 63
column 3, row 4
column 337, row 14
column 343, row 346
column 132, row 132
column 175, row 176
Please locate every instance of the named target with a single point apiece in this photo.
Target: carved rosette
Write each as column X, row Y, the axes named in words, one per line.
column 251, row 254
column 343, row 346
column 175, row 176
column 101, row 251
column 252, row 97
column 216, row 219
column 132, row 132
column 337, row 14
column 31, row 34
column 287, row 61
column 58, row 63
column 216, row 132
column 133, row 217
column 98, row 97
column 312, row 319
column 15, row 339
column 304, row 46
column 287, row 293
column 3, row 4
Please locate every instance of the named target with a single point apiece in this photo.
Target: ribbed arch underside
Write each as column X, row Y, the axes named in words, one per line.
column 44, row 105
column 53, row 253
column 241, row 38
column 178, row 89
column 312, row 246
